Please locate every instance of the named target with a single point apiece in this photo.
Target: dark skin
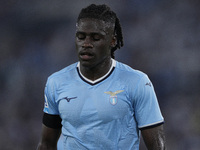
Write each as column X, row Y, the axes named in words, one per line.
column 49, row 138
column 154, row 138
column 94, row 40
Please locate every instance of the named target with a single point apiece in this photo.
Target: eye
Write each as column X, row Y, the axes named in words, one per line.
column 96, row 37
column 80, row 36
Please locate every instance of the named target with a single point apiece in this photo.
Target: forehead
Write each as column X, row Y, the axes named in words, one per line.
column 94, row 25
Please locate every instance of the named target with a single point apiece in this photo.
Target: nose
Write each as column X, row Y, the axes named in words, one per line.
column 87, row 43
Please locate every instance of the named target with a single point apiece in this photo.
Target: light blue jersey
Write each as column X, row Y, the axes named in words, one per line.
column 104, row 114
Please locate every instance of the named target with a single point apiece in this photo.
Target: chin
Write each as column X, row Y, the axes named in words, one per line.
column 87, row 63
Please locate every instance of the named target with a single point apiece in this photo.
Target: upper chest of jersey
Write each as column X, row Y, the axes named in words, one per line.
column 101, row 103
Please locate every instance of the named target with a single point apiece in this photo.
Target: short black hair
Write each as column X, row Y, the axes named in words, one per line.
column 103, row 12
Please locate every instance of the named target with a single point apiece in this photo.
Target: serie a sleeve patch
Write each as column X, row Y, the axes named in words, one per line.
column 52, row 121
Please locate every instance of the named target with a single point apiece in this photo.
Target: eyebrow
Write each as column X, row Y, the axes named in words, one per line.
column 91, row 33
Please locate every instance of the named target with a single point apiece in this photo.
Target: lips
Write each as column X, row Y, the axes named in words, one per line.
column 85, row 55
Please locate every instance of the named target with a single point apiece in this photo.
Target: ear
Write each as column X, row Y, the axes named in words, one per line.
column 113, row 41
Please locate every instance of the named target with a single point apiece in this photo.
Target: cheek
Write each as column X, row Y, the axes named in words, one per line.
column 77, row 44
column 104, row 50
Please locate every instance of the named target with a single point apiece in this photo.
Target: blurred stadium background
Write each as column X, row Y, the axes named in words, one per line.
column 162, row 39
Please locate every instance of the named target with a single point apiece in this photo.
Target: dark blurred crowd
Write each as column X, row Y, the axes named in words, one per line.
column 162, row 39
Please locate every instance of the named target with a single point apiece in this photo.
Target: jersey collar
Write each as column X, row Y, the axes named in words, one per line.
column 101, row 78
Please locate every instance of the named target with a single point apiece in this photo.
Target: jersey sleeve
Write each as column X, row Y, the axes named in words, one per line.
column 50, row 105
column 147, row 110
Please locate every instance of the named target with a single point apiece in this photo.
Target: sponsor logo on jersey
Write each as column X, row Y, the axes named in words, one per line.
column 113, row 96
column 69, row 98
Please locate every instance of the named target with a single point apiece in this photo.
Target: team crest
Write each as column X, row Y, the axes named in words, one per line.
column 113, row 96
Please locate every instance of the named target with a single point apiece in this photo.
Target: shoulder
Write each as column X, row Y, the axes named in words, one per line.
column 62, row 74
column 128, row 72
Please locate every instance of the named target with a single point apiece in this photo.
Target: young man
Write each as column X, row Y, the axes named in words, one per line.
column 100, row 103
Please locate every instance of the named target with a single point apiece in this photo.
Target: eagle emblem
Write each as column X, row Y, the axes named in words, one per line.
column 113, row 96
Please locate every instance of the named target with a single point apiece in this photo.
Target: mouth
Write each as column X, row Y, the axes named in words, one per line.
column 86, row 55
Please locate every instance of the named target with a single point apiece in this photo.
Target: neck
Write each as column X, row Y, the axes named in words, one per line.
column 96, row 72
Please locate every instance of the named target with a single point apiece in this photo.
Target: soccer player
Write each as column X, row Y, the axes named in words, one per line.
column 99, row 103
